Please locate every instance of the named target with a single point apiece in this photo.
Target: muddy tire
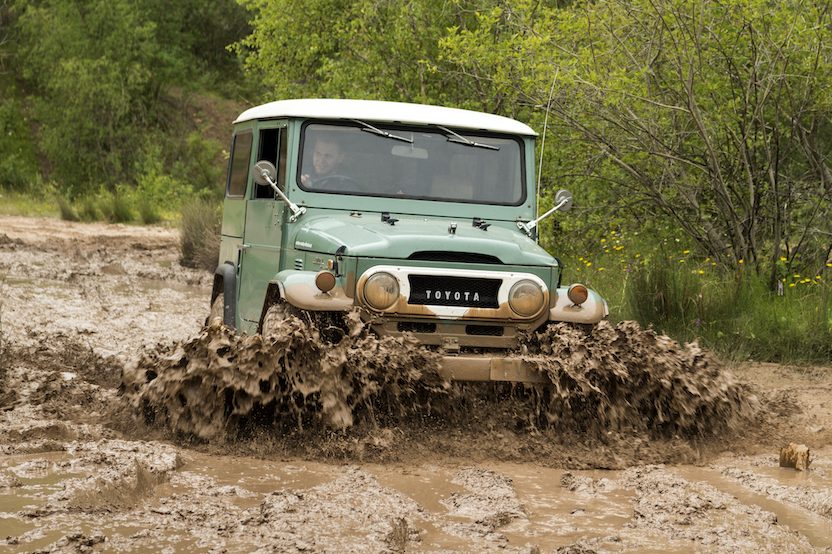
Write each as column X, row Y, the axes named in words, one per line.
column 217, row 310
column 274, row 317
column 585, row 328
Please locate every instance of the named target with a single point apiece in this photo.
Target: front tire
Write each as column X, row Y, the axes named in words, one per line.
column 274, row 317
column 217, row 314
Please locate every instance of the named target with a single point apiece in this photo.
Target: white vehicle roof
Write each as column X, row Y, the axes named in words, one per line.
column 387, row 112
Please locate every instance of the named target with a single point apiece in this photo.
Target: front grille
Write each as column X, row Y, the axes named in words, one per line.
column 484, row 330
column 416, row 327
column 441, row 290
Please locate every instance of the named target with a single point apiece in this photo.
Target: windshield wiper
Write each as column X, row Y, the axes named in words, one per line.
column 381, row 132
column 459, row 139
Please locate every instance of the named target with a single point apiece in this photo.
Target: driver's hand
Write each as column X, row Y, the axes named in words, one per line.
column 305, row 179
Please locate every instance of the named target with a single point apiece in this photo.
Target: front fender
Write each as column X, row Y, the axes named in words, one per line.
column 298, row 289
column 592, row 311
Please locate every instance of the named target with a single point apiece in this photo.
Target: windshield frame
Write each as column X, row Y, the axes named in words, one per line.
column 470, row 134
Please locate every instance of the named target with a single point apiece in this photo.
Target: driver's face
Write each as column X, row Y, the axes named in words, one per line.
column 326, row 157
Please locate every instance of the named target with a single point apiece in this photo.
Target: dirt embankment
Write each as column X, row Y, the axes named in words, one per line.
column 641, row 444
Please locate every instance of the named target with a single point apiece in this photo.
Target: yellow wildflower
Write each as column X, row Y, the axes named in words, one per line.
column 791, row 285
column 740, row 261
column 600, row 269
column 685, row 252
column 700, row 272
column 589, row 264
column 829, row 264
column 603, row 241
column 783, row 259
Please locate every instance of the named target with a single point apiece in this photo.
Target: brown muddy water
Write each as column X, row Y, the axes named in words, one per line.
column 639, row 445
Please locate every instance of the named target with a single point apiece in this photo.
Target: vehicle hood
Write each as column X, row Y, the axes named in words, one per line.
column 368, row 236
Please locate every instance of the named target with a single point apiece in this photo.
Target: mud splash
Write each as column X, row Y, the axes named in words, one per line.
column 628, row 378
column 292, row 379
column 621, row 379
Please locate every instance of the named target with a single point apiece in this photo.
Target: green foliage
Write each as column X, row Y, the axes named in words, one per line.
column 68, row 212
column 713, row 116
column 104, row 83
column 201, row 165
column 119, row 209
column 200, row 234
column 89, row 209
column 148, row 212
column 666, row 285
column 363, row 49
column 91, row 65
column 18, row 166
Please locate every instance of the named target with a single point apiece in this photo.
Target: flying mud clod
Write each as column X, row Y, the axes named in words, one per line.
column 622, row 378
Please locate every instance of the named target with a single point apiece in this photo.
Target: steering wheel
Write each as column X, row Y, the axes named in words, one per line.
column 336, row 181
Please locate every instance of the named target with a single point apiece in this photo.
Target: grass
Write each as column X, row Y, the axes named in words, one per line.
column 28, row 204
column 690, row 298
column 200, row 234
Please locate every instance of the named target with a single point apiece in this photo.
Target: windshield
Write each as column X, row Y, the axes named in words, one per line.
column 433, row 163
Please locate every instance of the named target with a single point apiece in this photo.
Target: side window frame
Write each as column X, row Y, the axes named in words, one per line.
column 231, row 166
column 278, row 157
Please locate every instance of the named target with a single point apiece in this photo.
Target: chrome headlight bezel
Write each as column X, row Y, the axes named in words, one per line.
column 526, row 298
column 381, row 290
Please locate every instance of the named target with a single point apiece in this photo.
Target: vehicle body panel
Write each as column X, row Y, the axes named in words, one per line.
column 355, row 233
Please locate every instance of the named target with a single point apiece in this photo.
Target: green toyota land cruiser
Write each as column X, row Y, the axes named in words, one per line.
column 421, row 218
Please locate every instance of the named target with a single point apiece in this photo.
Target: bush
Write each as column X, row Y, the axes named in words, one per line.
column 664, row 284
column 148, row 212
column 68, row 212
column 90, row 210
column 734, row 314
column 119, row 210
column 200, row 239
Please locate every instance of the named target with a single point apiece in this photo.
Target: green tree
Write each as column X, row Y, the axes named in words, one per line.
column 715, row 114
column 359, row 49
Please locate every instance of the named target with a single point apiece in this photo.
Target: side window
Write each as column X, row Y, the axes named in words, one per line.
column 239, row 165
column 273, row 149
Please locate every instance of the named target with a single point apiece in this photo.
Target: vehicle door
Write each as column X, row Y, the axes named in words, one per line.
column 265, row 214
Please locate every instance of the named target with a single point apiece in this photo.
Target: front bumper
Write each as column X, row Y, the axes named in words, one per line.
column 489, row 368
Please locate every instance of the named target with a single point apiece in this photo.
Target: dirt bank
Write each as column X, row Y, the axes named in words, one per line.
column 78, row 474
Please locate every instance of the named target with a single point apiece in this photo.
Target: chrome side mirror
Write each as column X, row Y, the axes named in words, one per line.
column 563, row 199
column 264, row 173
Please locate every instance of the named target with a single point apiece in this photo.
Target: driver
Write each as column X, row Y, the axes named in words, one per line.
column 327, row 158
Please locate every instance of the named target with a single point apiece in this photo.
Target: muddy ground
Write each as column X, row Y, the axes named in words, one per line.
column 82, row 471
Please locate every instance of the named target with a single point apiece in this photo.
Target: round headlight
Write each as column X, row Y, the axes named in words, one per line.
column 381, row 291
column 526, row 298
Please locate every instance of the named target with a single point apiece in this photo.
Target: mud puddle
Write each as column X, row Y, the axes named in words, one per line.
column 209, row 502
column 816, row 528
column 469, row 468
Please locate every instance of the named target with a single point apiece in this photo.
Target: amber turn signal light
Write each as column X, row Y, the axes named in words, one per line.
column 577, row 293
column 325, row 281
